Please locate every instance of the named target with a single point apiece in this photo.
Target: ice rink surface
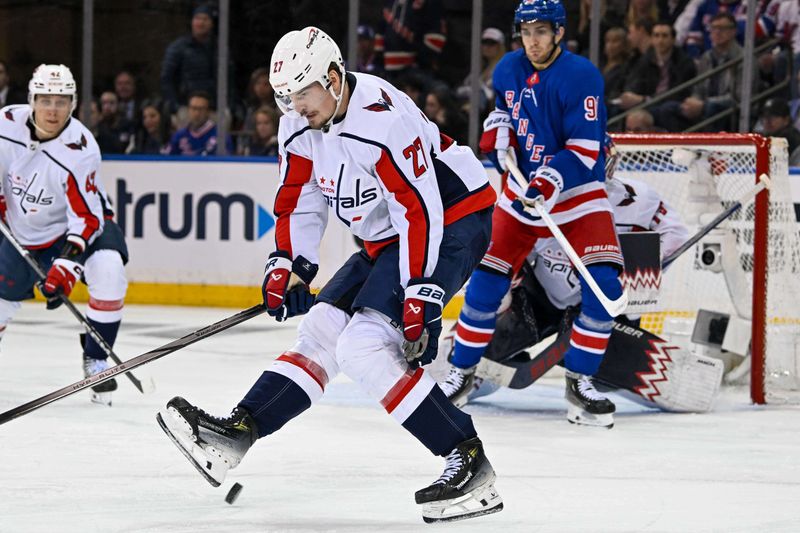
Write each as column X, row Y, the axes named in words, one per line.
column 346, row 466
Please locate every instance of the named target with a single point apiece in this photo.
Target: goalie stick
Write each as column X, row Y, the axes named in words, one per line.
column 139, row 360
column 613, row 307
column 26, row 255
column 519, row 375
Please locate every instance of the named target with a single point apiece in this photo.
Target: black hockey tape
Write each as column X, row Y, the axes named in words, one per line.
column 233, row 493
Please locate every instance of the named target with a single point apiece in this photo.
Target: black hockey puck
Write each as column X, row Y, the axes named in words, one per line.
column 233, row 493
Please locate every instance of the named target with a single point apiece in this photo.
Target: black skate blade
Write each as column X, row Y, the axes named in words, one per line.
column 474, row 514
column 185, row 452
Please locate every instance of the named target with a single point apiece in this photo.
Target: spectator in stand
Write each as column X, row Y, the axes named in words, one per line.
column 413, row 83
column 94, row 115
column 9, row 95
column 493, row 48
column 617, row 54
column 640, row 121
column 714, row 94
column 199, row 137
column 672, row 10
column 152, row 134
column 776, row 121
column 441, row 108
column 639, row 9
column 190, row 63
column 367, row 59
column 782, row 18
column 663, row 67
column 264, row 140
column 125, row 87
column 411, row 34
column 699, row 38
column 640, row 38
column 609, row 18
column 259, row 94
column 114, row 132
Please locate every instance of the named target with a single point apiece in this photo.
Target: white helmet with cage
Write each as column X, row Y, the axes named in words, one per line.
column 301, row 58
column 52, row 79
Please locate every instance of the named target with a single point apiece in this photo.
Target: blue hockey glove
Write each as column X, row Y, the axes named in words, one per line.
column 544, row 187
column 285, row 287
column 422, row 321
column 498, row 136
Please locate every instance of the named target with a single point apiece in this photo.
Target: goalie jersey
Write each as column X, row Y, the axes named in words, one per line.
column 383, row 170
column 53, row 187
column 559, row 119
column 637, row 207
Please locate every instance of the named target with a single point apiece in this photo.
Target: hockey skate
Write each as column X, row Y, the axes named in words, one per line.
column 587, row 406
column 458, row 385
column 101, row 393
column 212, row 444
column 465, row 488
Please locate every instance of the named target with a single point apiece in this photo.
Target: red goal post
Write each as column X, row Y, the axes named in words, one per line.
column 754, row 276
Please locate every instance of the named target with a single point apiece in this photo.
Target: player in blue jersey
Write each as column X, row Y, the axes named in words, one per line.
column 550, row 114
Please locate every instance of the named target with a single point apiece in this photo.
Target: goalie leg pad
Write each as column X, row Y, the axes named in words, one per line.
column 658, row 373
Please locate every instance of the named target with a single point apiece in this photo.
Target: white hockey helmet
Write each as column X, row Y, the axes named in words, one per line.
column 52, row 79
column 301, row 58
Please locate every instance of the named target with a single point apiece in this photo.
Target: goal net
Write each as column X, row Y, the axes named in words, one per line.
column 736, row 293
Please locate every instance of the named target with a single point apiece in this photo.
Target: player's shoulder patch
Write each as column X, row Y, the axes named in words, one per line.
column 384, row 103
column 78, row 144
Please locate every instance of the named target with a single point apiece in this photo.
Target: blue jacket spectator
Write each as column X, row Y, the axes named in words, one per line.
column 199, row 138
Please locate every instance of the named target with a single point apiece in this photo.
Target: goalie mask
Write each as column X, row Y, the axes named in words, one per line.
column 300, row 60
column 52, row 79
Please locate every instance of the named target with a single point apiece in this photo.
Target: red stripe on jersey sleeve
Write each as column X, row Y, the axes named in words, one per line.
column 477, row 201
column 583, row 151
column 298, row 172
column 418, row 225
column 78, row 204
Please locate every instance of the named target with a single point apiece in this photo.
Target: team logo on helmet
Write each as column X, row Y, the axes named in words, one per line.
column 312, row 36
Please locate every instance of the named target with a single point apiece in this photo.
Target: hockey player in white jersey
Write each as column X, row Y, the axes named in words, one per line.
column 53, row 201
column 354, row 148
column 546, row 296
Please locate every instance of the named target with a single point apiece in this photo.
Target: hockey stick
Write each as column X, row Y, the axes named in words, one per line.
column 26, row 255
column 613, row 307
column 139, row 360
column 763, row 183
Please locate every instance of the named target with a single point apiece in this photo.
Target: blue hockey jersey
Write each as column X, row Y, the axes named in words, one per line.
column 559, row 119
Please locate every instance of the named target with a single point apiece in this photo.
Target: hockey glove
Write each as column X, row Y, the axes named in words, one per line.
column 65, row 272
column 285, row 287
column 498, row 136
column 422, row 321
column 544, row 189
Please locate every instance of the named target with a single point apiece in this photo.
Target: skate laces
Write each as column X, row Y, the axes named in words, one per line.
column 455, row 378
column 586, row 388
column 454, row 462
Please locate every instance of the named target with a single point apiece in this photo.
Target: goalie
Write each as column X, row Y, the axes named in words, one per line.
column 545, row 299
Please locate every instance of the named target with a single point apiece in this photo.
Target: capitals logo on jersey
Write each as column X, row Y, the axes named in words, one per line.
column 383, row 104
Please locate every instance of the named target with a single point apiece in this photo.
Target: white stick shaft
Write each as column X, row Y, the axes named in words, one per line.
column 613, row 307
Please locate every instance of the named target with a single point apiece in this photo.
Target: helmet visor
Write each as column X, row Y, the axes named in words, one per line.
column 307, row 100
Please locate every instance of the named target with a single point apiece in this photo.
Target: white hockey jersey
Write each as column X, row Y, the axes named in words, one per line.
column 51, row 188
column 637, row 207
column 384, row 171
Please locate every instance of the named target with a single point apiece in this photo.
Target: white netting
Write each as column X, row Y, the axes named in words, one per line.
column 700, row 180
